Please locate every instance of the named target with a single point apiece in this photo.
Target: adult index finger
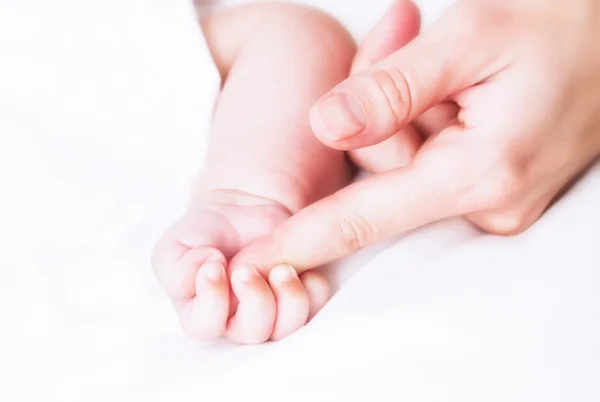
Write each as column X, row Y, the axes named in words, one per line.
column 365, row 213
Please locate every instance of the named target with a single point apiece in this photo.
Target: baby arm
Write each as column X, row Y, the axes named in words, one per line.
column 263, row 164
column 276, row 60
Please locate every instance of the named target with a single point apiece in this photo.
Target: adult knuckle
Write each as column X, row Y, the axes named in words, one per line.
column 356, row 231
column 392, row 91
column 470, row 21
column 504, row 223
column 464, row 23
column 503, row 187
column 501, row 183
column 475, row 20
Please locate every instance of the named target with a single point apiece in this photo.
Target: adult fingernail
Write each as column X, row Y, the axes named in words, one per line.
column 244, row 274
column 284, row 273
column 340, row 116
column 214, row 271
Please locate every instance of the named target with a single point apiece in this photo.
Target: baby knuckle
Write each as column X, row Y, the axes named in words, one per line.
column 179, row 286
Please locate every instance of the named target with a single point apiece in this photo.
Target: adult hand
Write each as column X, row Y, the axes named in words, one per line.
column 525, row 75
column 399, row 26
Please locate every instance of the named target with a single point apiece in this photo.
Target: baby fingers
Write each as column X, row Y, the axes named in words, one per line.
column 205, row 315
column 196, row 282
column 255, row 315
column 317, row 289
column 275, row 310
column 292, row 301
column 176, row 265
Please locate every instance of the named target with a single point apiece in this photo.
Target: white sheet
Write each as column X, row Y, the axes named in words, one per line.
column 101, row 110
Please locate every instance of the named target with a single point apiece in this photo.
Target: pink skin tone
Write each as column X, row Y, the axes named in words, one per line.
column 264, row 164
column 506, row 97
column 477, row 117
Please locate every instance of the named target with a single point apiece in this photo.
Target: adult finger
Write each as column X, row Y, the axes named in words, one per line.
column 436, row 186
column 436, row 119
column 369, row 107
column 399, row 26
column 524, row 210
column 395, row 152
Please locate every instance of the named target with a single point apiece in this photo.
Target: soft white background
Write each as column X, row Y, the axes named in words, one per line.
column 104, row 108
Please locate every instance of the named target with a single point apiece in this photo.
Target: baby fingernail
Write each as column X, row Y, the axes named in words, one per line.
column 214, row 271
column 284, row 273
column 244, row 274
column 341, row 116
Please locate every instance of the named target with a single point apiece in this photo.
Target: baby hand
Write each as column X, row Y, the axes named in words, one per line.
column 190, row 261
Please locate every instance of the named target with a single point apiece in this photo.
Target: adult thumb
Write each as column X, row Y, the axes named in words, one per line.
column 398, row 27
column 369, row 107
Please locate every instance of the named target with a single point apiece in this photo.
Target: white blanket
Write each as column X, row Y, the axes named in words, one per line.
column 104, row 108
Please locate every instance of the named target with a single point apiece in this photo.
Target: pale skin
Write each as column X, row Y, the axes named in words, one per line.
column 505, row 97
column 489, row 114
column 263, row 165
